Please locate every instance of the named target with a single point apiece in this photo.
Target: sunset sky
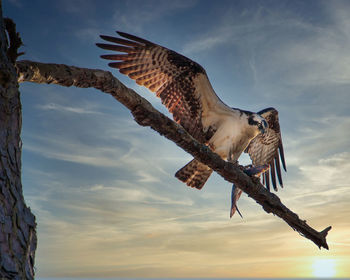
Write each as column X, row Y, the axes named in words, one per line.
column 103, row 188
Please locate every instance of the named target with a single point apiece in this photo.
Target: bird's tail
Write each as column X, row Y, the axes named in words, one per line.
column 194, row 174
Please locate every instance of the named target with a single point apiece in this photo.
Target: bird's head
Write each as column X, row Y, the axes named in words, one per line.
column 258, row 122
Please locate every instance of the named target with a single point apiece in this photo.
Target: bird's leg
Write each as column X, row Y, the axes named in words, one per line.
column 235, row 195
column 230, row 157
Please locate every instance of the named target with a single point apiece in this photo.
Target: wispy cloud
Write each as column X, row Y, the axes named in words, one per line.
column 304, row 54
column 62, row 108
column 17, row 3
column 206, row 43
column 130, row 193
column 88, row 34
column 102, row 187
column 78, row 7
column 139, row 13
column 321, row 136
column 61, row 149
column 339, row 244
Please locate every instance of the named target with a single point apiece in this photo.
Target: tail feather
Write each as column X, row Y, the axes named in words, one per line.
column 194, row 174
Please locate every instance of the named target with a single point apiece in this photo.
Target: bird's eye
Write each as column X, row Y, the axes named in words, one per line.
column 264, row 123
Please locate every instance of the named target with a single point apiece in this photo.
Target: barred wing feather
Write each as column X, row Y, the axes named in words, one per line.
column 173, row 77
column 267, row 149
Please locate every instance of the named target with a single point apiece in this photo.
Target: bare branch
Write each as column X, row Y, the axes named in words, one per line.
column 146, row 115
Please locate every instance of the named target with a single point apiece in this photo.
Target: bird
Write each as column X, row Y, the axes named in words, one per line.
column 184, row 88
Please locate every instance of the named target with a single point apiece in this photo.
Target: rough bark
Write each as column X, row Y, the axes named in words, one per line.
column 17, row 223
column 146, row 115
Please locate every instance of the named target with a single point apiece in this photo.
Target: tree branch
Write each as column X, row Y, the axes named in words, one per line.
column 146, row 115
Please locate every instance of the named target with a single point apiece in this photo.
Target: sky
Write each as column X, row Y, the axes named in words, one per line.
column 103, row 189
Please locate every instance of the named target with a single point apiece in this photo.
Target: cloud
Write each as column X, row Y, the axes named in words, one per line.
column 78, row 7
column 88, row 34
column 206, row 43
column 329, row 172
column 76, row 152
column 320, row 59
column 319, row 136
column 242, row 28
column 69, row 109
column 280, row 44
column 137, row 14
column 17, row 3
column 127, row 192
column 103, row 189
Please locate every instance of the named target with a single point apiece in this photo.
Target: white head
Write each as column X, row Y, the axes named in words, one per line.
column 258, row 122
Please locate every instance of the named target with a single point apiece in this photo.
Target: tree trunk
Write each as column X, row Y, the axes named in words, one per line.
column 17, row 223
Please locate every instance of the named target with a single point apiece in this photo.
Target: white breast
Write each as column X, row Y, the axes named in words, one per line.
column 230, row 139
column 231, row 127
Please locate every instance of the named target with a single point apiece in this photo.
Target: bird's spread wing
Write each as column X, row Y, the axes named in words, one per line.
column 176, row 79
column 267, row 149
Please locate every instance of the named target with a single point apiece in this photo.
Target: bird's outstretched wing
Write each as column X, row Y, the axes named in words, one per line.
column 181, row 83
column 267, row 149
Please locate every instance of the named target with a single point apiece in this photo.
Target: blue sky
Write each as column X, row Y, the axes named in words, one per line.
column 102, row 187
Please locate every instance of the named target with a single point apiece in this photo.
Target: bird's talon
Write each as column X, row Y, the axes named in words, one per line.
column 255, row 170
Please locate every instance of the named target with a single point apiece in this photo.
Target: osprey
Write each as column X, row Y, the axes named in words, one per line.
column 185, row 90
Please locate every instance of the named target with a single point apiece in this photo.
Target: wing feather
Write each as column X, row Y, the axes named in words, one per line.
column 280, row 148
column 119, row 41
column 278, row 169
column 117, row 48
column 267, row 180
column 267, row 149
column 273, row 176
column 173, row 78
column 143, row 74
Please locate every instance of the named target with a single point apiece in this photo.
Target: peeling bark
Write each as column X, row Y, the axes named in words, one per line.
column 146, row 115
column 17, row 223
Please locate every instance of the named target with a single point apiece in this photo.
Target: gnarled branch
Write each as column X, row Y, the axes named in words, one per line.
column 146, row 115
